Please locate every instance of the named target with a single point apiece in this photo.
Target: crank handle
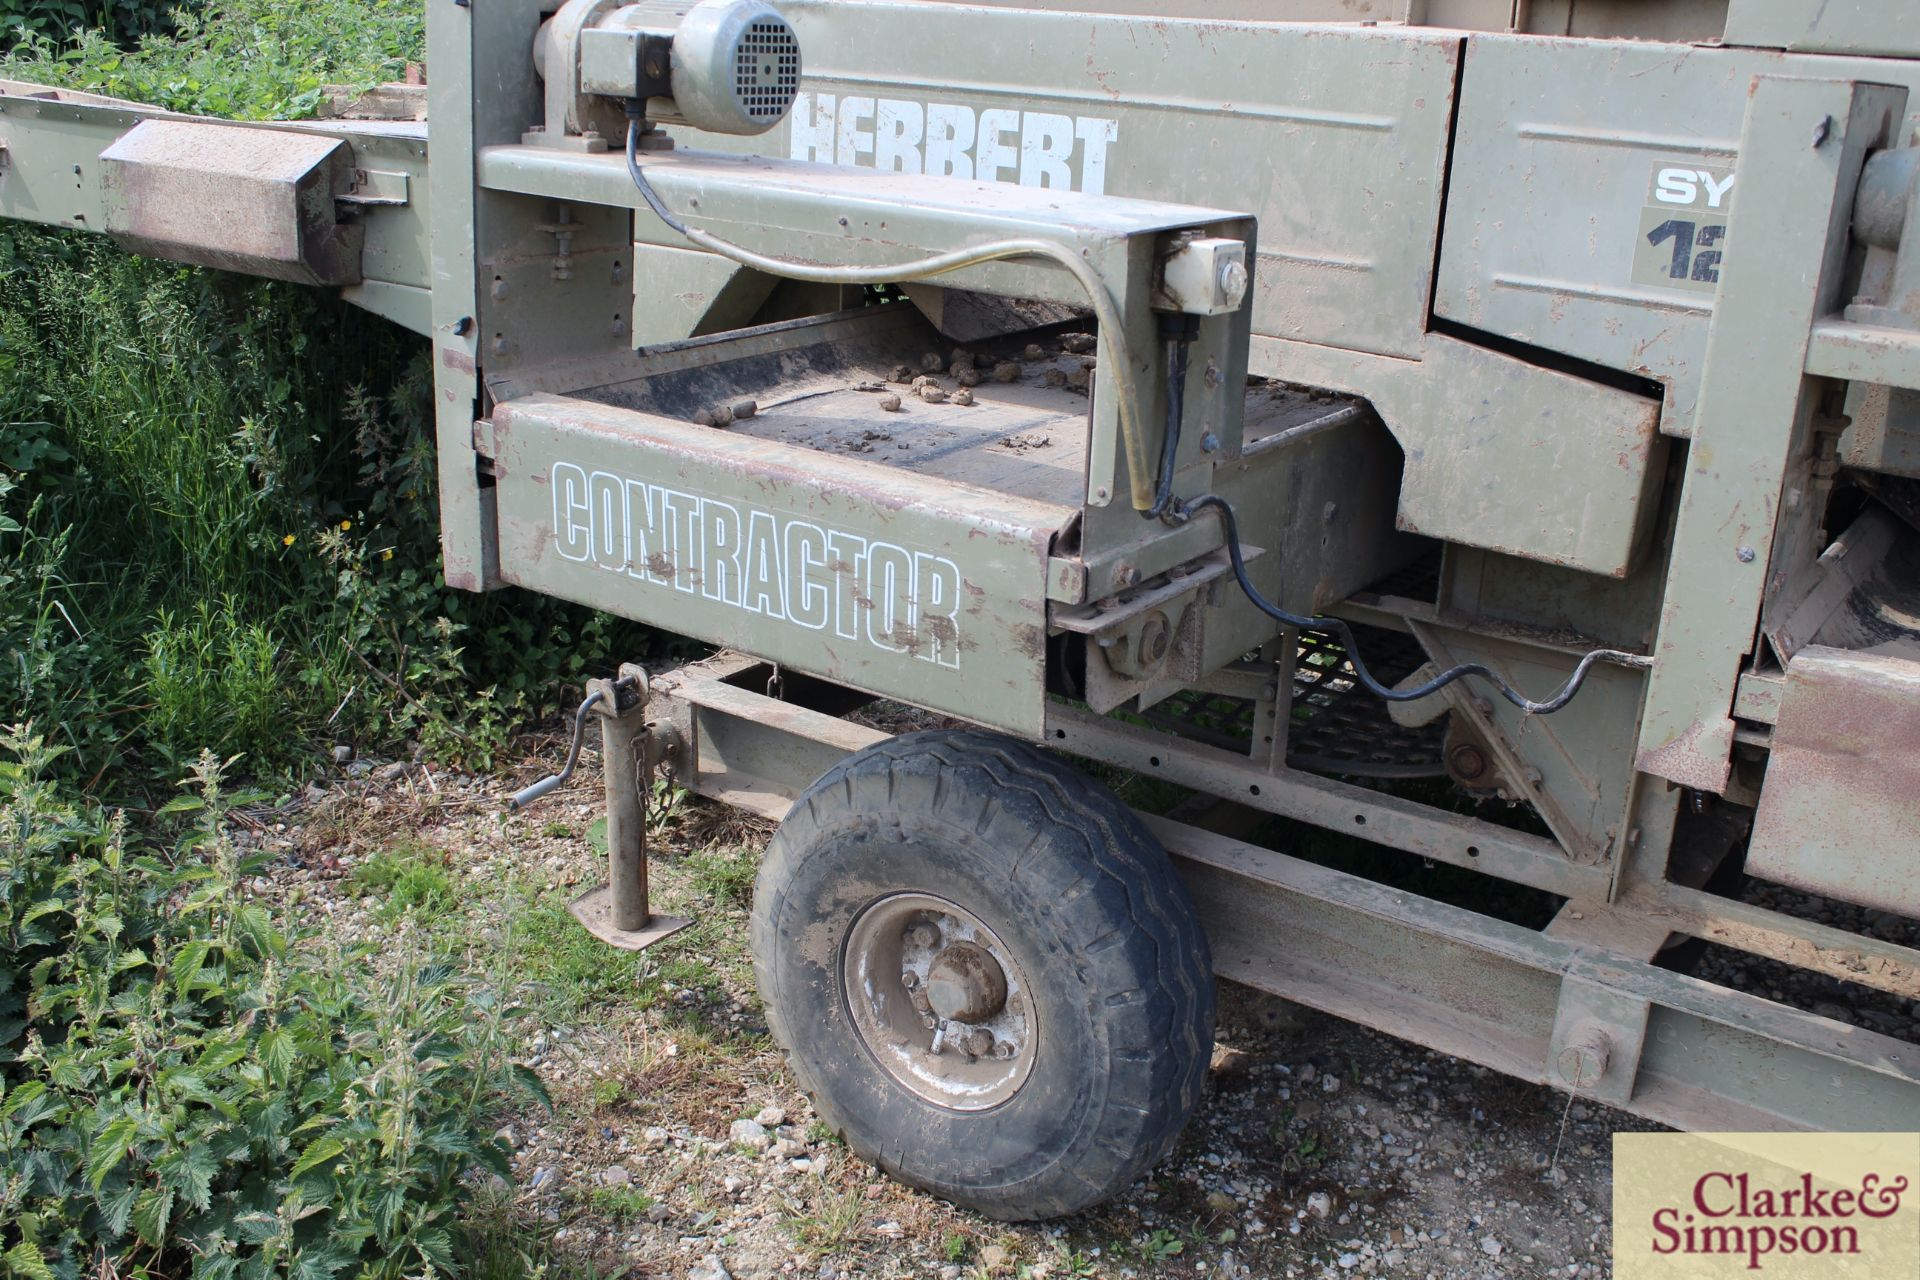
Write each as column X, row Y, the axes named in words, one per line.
column 554, row 781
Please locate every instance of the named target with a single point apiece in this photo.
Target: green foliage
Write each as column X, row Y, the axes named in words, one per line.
column 249, row 59
column 1162, row 1245
column 411, row 877
column 118, row 21
column 212, row 680
column 218, row 528
column 190, row 1086
column 218, row 520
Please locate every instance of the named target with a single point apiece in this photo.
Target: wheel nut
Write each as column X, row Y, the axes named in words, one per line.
column 923, row 935
column 980, row 1042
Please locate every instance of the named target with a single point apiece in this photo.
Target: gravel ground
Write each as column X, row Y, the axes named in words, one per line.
column 679, row 1146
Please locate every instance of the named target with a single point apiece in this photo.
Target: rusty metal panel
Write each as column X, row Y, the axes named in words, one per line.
column 899, row 584
column 1838, row 815
column 254, row 200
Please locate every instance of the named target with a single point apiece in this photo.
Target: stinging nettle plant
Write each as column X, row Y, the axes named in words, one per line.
column 190, row 1086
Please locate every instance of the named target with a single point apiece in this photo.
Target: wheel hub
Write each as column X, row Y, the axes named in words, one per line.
column 966, row 984
column 939, row 1001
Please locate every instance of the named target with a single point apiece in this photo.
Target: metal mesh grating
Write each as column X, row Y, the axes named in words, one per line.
column 766, row 70
column 1337, row 727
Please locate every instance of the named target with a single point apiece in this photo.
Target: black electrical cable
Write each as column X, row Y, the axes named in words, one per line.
column 1179, row 332
column 647, row 193
column 1338, row 629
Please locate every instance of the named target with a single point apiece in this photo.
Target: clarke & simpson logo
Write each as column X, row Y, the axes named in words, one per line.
column 1779, row 1205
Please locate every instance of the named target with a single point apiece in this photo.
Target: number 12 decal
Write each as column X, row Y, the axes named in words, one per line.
column 1695, row 257
column 1682, row 233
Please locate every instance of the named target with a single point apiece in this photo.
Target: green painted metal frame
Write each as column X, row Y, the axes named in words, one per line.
column 1582, row 1015
column 520, row 263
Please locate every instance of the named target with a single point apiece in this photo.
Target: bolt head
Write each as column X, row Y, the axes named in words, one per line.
column 1746, row 554
column 1467, row 761
column 1156, row 634
column 1583, row 1062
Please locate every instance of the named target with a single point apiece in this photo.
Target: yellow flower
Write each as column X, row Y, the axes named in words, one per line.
column 345, row 525
column 387, row 554
column 287, row 541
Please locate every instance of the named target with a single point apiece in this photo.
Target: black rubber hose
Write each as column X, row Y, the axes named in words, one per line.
column 1338, row 629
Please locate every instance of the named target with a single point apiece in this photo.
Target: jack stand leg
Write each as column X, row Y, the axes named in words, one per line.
column 617, row 912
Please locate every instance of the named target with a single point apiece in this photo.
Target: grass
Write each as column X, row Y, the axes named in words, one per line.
column 218, row 520
column 725, row 876
column 219, row 524
column 829, row 1225
column 410, row 878
column 503, row 1240
column 567, row 969
column 622, row 1204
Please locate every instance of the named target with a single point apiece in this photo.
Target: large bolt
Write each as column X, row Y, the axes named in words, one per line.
column 1156, row 633
column 979, row 1042
column 1466, row 762
column 966, row 984
column 923, row 935
column 1584, row 1059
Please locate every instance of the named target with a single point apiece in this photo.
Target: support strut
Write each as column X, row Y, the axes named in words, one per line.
column 617, row 912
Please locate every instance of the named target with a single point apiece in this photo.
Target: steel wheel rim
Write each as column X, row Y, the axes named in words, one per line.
column 899, row 985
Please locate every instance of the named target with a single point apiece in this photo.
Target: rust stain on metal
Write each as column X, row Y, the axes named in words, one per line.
column 1684, row 760
column 1838, row 815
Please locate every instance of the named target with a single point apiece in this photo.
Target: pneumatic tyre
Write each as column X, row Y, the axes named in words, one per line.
column 985, row 972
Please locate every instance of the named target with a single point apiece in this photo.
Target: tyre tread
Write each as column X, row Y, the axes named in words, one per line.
column 1167, row 1023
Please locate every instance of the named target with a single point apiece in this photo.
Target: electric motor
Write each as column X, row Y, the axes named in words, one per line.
column 725, row 66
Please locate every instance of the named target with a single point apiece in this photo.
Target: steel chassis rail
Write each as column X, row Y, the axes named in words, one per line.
column 1552, row 1006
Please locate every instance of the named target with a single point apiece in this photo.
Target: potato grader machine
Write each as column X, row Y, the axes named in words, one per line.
column 1485, row 428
